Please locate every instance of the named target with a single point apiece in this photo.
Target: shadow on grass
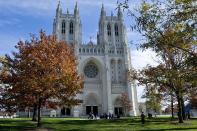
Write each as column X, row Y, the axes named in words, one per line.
column 89, row 125
column 16, row 128
column 15, row 125
column 174, row 129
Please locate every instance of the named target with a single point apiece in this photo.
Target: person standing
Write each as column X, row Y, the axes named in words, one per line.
column 142, row 118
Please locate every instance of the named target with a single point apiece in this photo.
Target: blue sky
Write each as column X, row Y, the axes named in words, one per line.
column 19, row 18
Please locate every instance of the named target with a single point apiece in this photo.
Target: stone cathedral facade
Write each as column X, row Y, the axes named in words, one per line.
column 104, row 64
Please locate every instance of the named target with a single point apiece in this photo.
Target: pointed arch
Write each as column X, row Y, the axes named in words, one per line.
column 96, row 62
column 108, row 29
column 71, row 28
column 113, row 70
column 92, row 99
column 63, row 27
column 117, row 101
column 116, row 29
column 120, row 70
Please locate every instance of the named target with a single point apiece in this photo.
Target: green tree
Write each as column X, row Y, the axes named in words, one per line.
column 153, row 99
column 169, row 28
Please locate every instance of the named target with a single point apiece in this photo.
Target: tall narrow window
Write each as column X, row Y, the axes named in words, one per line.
column 116, row 29
column 71, row 28
column 108, row 30
column 63, row 27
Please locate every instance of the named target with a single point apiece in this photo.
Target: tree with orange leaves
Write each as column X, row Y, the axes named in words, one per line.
column 44, row 70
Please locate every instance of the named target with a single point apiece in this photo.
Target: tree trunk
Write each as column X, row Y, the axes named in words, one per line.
column 155, row 110
column 180, row 117
column 29, row 113
column 183, row 108
column 39, row 108
column 34, row 113
column 172, row 108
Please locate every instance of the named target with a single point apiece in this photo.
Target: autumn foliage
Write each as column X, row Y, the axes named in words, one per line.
column 43, row 72
column 125, row 102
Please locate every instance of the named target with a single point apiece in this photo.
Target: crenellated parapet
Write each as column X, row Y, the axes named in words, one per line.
column 86, row 49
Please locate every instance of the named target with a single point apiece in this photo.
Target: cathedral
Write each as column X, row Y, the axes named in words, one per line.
column 104, row 64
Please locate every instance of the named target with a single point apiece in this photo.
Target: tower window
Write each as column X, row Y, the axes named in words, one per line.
column 71, row 28
column 102, row 50
column 116, row 29
column 63, row 27
column 87, row 50
column 108, row 30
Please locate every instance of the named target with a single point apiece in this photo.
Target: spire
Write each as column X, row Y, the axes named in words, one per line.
column 67, row 11
column 103, row 13
column 102, row 8
column 58, row 5
column 76, row 5
column 59, row 9
column 120, row 15
column 76, row 11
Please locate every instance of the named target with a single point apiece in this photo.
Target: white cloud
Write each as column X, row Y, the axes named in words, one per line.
column 7, row 43
column 8, row 22
column 30, row 7
column 133, row 36
column 140, row 93
column 131, row 33
column 140, row 58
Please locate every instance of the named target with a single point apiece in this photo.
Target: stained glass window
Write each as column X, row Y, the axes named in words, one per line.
column 91, row 71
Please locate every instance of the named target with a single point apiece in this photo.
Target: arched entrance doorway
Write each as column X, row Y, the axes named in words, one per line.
column 65, row 111
column 118, row 109
column 92, row 69
column 91, row 104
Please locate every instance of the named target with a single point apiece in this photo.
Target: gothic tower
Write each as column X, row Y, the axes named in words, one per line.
column 112, row 35
column 67, row 26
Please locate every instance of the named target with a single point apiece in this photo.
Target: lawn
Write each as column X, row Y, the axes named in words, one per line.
column 76, row 124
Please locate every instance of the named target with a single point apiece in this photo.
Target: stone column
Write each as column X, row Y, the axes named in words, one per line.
column 116, row 70
column 108, row 86
column 58, row 30
column 132, row 93
column 67, row 30
column 134, row 99
column 113, row 35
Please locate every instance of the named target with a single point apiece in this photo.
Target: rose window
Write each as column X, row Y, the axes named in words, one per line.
column 91, row 71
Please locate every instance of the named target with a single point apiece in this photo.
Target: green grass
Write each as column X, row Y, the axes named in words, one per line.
column 76, row 124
